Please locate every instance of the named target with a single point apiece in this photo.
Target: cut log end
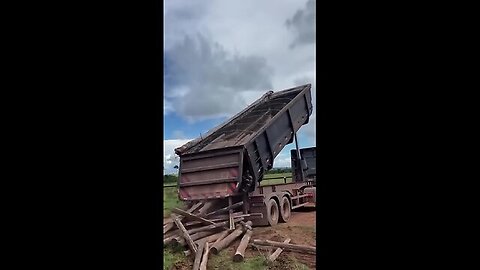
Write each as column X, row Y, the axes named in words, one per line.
column 238, row 258
column 214, row 250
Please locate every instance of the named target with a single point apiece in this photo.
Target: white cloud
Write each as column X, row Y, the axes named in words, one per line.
column 243, row 51
column 170, row 159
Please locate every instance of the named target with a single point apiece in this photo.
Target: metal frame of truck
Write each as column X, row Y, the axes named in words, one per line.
column 230, row 160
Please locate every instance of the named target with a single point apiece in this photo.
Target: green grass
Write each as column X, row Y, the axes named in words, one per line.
column 224, row 261
column 172, row 256
column 170, row 200
column 267, row 181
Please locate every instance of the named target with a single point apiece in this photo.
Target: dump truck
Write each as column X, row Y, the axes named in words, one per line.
column 228, row 163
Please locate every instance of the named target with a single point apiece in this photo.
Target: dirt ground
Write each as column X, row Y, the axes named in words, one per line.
column 300, row 228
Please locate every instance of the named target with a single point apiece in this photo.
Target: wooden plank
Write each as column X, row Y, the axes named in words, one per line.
column 198, row 256
column 203, row 264
column 186, row 236
column 240, row 253
column 292, row 247
column 192, row 216
column 277, row 252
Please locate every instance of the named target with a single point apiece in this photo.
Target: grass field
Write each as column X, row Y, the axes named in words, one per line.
column 170, row 200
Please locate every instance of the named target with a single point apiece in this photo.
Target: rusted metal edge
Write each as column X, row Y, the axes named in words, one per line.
column 194, row 142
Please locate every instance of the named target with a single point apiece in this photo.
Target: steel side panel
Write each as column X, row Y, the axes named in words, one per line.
column 212, row 190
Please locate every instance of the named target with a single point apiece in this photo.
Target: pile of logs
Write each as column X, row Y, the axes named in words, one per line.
column 203, row 229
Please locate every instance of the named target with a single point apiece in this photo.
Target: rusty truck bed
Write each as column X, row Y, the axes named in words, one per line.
column 232, row 158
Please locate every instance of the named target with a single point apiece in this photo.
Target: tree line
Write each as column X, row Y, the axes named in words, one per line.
column 173, row 178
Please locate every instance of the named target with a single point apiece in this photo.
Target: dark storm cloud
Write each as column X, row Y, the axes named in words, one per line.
column 303, row 25
column 205, row 80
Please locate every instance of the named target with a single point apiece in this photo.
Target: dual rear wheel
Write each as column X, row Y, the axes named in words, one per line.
column 276, row 212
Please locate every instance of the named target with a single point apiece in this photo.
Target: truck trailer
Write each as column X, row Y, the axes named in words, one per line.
column 227, row 164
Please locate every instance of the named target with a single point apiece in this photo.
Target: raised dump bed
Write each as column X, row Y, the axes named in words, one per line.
column 230, row 159
column 309, row 155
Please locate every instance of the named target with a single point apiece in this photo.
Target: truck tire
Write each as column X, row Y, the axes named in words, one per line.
column 285, row 209
column 272, row 212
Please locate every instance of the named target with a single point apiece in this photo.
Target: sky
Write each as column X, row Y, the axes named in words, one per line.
column 220, row 56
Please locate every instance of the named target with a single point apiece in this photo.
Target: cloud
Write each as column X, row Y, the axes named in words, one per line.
column 170, row 159
column 206, row 81
column 243, row 51
column 283, row 160
column 178, row 134
column 303, row 25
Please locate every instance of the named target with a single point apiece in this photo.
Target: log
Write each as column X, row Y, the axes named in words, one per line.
column 240, row 253
column 225, row 209
column 192, row 216
column 203, row 264
column 222, row 235
column 248, row 227
column 186, row 236
column 212, row 237
column 198, row 256
column 170, row 239
column 229, row 239
column 277, row 252
column 206, row 207
column 196, row 236
column 211, row 227
column 170, row 233
column 230, row 214
column 292, row 247
column 169, row 226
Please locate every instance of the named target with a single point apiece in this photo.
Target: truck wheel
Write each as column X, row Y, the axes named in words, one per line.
column 285, row 209
column 272, row 212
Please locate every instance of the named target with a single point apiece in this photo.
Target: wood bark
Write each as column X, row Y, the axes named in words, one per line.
column 222, row 235
column 203, row 264
column 211, row 238
column 206, row 208
column 194, row 237
column 248, row 227
column 240, row 253
column 229, row 239
column 301, row 248
column 198, row 256
column 277, row 252
column 186, row 236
